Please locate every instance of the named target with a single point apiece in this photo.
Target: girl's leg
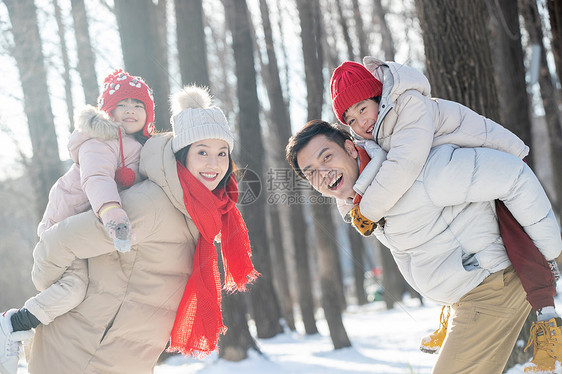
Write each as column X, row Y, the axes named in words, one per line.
column 61, row 296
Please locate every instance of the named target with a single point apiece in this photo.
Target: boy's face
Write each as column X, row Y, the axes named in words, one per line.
column 131, row 114
column 329, row 168
column 362, row 116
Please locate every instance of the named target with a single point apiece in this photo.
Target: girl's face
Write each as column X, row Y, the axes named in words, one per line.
column 131, row 114
column 362, row 116
column 208, row 161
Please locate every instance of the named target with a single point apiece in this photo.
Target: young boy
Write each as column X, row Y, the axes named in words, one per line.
column 389, row 103
column 444, row 235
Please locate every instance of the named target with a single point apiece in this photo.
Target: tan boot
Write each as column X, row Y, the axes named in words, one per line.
column 546, row 336
column 432, row 342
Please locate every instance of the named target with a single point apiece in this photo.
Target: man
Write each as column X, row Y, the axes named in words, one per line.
column 444, row 235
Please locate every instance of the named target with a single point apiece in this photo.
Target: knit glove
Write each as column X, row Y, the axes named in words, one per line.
column 117, row 225
column 361, row 224
column 554, row 269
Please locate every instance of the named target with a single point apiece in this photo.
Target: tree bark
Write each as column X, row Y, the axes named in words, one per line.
column 311, row 34
column 264, row 300
column 358, row 258
column 143, row 51
column 281, row 127
column 507, row 54
column 379, row 16
column 65, row 66
column 555, row 15
column 234, row 345
column 45, row 166
column 548, row 93
column 86, row 58
column 192, row 48
column 360, row 30
column 345, row 31
column 458, row 56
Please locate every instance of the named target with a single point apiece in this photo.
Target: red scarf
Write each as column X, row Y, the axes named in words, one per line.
column 198, row 321
column 363, row 161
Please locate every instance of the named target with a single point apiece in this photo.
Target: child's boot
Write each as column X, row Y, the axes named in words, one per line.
column 432, row 343
column 546, row 336
column 9, row 343
column 9, row 349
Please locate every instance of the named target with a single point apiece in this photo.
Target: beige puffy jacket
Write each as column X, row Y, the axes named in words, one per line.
column 410, row 123
column 125, row 320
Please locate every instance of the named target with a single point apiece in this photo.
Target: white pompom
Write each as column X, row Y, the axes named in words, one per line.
column 190, row 97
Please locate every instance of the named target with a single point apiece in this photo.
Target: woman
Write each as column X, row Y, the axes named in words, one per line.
column 166, row 288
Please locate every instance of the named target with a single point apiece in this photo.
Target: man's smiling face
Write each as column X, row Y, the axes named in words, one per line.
column 329, row 168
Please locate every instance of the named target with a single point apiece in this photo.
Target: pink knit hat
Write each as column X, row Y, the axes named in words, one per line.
column 351, row 83
column 120, row 85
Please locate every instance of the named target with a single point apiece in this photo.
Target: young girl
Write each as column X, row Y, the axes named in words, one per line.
column 167, row 287
column 105, row 148
column 390, row 104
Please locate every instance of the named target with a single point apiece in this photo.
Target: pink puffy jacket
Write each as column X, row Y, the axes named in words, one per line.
column 90, row 181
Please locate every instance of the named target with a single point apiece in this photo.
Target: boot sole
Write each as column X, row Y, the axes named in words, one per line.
column 433, row 351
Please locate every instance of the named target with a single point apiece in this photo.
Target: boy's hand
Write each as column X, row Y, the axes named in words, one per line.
column 361, row 224
column 117, row 225
column 554, row 269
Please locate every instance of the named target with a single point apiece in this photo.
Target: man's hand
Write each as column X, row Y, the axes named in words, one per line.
column 361, row 224
column 117, row 225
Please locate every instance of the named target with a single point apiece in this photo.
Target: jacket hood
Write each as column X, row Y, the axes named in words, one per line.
column 397, row 78
column 91, row 123
column 158, row 163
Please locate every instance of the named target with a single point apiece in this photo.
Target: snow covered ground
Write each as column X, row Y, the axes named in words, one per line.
column 383, row 342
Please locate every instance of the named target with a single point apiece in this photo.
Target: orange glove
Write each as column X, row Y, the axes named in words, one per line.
column 361, row 224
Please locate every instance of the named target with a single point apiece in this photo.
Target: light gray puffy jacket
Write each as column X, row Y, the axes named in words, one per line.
column 443, row 232
column 410, row 123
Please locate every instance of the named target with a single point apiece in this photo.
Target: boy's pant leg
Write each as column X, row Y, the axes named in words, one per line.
column 61, row 296
column 528, row 261
column 484, row 326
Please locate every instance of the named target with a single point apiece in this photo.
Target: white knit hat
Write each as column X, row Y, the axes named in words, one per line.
column 194, row 118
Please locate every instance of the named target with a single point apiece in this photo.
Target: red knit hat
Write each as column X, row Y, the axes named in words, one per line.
column 351, row 83
column 118, row 86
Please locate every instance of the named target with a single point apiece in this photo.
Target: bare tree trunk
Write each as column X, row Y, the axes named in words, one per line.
column 548, row 93
column 361, row 37
column 264, row 300
column 345, row 31
column 86, row 58
column 507, row 54
column 379, row 14
column 66, row 67
column 139, row 20
column 458, row 56
column 281, row 123
column 555, row 15
column 192, row 49
column 45, row 166
column 309, row 15
column 234, row 345
column 358, row 258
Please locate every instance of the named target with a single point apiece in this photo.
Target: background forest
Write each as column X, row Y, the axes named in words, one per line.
column 268, row 64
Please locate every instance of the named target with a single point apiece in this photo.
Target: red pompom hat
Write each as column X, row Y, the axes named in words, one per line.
column 351, row 83
column 118, row 86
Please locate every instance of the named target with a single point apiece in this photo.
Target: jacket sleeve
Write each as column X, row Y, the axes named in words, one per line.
column 465, row 175
column 98, row 163
column 410, row 144
column 80, row 236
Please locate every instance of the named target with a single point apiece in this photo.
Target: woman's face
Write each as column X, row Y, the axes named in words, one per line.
column 208, row 161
